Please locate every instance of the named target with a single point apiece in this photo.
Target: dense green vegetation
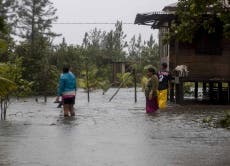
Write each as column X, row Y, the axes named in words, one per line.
column 34, row 63
column 194, row 15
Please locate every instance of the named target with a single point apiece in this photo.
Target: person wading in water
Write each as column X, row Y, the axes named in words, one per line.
column 164, row 78
column 151, row 91
column 67, row 90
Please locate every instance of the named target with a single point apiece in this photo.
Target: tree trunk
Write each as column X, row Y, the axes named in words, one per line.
column 135, row 85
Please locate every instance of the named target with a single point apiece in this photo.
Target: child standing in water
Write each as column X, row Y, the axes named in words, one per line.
column 151, row 91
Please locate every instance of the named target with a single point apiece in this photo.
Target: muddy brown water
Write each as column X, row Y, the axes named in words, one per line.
column 116, row 133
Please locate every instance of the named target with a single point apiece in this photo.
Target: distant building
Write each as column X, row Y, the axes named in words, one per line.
column 119, row 67
column 207, row 57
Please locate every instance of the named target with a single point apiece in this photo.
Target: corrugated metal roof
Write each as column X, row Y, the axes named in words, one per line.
column 155, row 19
column 171, row 7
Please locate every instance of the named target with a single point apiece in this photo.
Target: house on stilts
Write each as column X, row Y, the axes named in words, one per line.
column 207, row 58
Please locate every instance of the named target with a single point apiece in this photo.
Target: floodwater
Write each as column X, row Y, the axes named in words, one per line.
column 116, row 133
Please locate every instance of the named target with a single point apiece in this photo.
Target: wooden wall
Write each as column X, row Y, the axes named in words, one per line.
column 201, row 66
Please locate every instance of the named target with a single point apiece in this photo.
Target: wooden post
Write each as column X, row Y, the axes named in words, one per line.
column 204, row 89
column 228, row 93
column 45, row 98
column 179, row 93
column 211, row 84
column 119, row 87
column 172, row 92
column 219, row 92
column 113, row 73
column 1, row 108
column 5, row 108
column 196, row 90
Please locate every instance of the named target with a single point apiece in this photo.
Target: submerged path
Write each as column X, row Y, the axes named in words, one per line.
column 116, row 133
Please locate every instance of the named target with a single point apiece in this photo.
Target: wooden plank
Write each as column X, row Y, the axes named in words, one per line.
column 228, row 92
column 196, row 90
column 219, row 92
column 179, row 93
column 204, row 89
column 171, row 95
column 211, row 91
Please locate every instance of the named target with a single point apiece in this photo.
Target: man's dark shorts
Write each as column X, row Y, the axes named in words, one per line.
column 70, row 100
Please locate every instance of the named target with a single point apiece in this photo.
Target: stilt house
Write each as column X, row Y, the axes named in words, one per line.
column 207, row 58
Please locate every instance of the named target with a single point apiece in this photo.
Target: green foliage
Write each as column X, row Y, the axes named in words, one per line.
column 144, row 81
column 187, row 87
column 35, row 28
column 95, row 81
column 193, row 15
column 225, row 122
column 13, row 71
column 114, row 43
column 67, row 54
column 3, row 46
column 24, row 88
column 134, row 49
column 126, row 79
column 207, row 119
column 36, row 18
column 34, row 64
column 6, row 86
column 150, row 53
column 2, row 24
column 92, row 82
column 8, row 21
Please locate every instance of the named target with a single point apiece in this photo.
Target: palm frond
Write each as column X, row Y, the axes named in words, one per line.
column 6, row 86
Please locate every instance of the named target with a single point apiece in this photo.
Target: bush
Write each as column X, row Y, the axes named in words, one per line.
column 225, row 122
column 126, row 79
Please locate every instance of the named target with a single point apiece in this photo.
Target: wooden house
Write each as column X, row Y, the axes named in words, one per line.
column 207, row 58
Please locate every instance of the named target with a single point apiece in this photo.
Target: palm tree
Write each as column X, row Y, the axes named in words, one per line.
column 6, row 86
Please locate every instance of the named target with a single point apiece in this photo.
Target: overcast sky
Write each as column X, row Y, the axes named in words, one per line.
column 103, row 11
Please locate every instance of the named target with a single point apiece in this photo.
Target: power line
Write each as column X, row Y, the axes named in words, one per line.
column 91, row 23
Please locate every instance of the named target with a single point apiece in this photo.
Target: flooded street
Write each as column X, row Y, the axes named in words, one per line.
column 116, row 133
